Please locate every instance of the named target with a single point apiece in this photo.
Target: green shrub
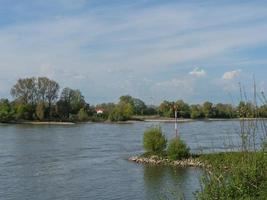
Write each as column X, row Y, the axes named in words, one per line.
column 82, row 115
column 154, row 140
column 177, row 150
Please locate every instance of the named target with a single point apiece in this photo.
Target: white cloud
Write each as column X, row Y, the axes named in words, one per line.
column 198, row 72
column 128, row 42
column 231, row 74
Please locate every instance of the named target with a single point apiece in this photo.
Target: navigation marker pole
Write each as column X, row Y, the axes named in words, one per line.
column 176, row 124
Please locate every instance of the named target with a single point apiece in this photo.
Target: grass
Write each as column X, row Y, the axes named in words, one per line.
column 234, row 175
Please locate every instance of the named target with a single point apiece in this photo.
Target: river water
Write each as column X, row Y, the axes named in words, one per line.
column 89, row 161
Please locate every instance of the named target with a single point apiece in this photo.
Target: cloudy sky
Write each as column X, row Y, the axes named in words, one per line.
column 151, row 49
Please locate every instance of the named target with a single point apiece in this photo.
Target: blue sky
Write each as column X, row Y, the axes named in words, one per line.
column 151, row 49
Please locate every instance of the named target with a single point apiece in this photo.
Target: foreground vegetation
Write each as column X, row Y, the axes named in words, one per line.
column 238, row 175
column 40, row 99
column 231, row 176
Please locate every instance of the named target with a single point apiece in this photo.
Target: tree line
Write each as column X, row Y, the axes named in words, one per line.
column 40, row 99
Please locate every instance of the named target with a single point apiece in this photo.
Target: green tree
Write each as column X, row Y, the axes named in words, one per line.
column 196, row 111
column 166, row 109
column 127, row 99
column 139, row 106
column 208, row 109
column 224, row 111
column 245, row 110
column 74, row 98
column 82, row 115
column 122, row 112
column 263, row 111
column 183, row 109
column 25, row 90
column 154, row 140
column 6, row 112
column 24, row 111
column 40, row 111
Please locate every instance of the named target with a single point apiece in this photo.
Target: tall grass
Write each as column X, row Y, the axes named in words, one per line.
column 243, row 174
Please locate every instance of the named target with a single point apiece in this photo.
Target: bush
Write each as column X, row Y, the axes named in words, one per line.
column 82, row 115
column 154, row 140
column 177, row 150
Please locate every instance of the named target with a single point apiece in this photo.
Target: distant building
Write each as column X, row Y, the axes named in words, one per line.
column 99, row 111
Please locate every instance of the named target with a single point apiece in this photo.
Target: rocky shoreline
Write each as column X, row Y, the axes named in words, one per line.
column 155, row 160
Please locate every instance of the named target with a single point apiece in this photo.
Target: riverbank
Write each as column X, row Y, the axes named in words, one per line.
column 40, row 123
column 206, row 161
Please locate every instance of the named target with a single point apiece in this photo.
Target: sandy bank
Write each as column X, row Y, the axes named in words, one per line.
column 47, row 123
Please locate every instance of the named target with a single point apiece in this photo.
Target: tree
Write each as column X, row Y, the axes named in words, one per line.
column 74, row 98
column 166, row 109
column 208, row 109
column 40, row 111
column 245, row 110
column 6, row 113
column 24, row 111
column 151, row 110
column 139, row 106
column 25, row 90
column 263, row 111
column 224, row 111
column 183, row 109
column 82, row 115
column 51, row 94
column 196, row 112
column 127, row 99
column 122, row 112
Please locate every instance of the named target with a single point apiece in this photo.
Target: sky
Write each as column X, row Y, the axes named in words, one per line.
column 150, row 49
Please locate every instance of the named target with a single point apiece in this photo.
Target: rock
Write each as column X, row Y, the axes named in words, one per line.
column 155, row 160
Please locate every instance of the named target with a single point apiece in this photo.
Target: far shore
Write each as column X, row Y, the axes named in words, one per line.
column 135, row 120
column 41, row 123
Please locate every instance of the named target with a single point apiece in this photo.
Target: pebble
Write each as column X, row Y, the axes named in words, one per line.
column 155, row 160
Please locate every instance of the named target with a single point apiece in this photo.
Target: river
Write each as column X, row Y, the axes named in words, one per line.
column 89, row 161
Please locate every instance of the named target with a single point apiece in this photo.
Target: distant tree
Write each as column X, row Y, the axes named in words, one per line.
column 63, row 109
column 82, row 115
column 224, row 111
column 196, row 111
column 208, row 109
column 40, row 111
column 183, row 109
column 74, row 98
column 51, row 94
column 245, row 110
column 24, row 111
column 123, row 111
column 25, row 90
column 263, row 111
column 139, row 106
column 127, row 99
column 166, row 109
column 151, row 110
column 6, row 112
